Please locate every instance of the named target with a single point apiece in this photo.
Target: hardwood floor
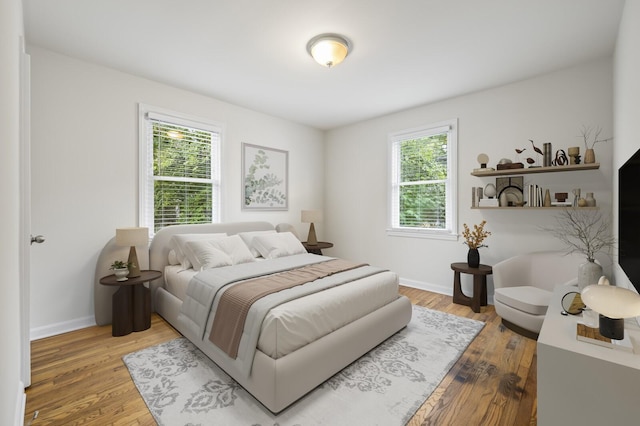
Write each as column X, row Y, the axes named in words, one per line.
column 79, row 377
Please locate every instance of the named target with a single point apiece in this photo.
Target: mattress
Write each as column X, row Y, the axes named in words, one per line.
column 296, row 323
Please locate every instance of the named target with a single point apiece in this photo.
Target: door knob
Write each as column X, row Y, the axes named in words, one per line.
column 37, row 239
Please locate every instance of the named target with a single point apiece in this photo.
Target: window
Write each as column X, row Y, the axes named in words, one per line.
column 423, row 172
column 179, row 169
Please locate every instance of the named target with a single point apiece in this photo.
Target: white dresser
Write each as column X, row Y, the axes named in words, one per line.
column 581, row 383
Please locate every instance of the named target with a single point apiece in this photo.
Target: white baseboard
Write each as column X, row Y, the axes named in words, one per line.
column 61, row 327
column 435, row 288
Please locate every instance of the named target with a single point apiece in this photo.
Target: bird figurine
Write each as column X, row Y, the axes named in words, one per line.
column 537, row 150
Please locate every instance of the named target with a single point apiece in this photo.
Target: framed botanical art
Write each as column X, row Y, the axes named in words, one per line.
column 265, row 180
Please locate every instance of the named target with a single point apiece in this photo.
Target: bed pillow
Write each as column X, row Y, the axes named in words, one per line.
column 203, row 255
column 178, row 242
column 215, row 253
column 282, row 244
column 247, row 237
column 173, row 258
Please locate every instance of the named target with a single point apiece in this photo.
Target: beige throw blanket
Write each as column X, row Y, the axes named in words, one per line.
column 234, row 305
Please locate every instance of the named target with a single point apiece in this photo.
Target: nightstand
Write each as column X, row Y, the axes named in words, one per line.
column 479, row 285
column 317, row 248
column 131, row 304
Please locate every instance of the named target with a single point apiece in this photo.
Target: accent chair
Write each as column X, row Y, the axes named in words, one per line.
column 524, row 285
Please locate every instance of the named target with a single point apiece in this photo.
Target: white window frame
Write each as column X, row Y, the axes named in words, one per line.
column 146, row 178
column 451, row 231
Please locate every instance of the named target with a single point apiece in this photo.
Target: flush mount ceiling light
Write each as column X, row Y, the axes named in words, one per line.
column 328, row 49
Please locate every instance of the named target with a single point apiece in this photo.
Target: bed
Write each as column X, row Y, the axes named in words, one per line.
column 299, row 343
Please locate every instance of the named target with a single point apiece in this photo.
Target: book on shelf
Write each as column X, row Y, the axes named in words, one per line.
column 562, row 203
column 534, row 195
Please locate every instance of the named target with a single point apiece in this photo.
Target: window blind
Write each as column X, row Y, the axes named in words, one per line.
column 182, row 171
column 420, row 181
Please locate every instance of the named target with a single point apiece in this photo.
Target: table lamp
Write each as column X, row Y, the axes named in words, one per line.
column 614, row 304
column 311, row 216
column 132, row 237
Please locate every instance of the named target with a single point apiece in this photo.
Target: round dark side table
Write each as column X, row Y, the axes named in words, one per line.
column 131, row 304
column 479, row 285
column 316, row 248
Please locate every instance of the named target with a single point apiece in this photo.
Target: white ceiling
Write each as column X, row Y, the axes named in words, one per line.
column 252, row 53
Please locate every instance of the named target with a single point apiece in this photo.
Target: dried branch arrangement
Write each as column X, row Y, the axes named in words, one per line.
column 589, row 142
column 583, row 231
column 474, row 239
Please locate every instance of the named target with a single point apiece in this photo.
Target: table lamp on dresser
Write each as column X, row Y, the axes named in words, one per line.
column 614, row 304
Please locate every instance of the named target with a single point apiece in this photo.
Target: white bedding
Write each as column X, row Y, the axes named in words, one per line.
column 301, row 321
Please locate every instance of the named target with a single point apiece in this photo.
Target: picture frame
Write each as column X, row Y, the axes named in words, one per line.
column 265, row 178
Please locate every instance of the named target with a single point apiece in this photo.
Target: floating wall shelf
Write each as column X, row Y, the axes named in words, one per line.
column 529, row 170
column 533, row 208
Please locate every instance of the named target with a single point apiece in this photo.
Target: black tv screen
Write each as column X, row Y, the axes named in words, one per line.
column 629, row 219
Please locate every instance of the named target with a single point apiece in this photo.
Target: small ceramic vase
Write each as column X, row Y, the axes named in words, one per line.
column 473, row 258
column 591, row 202
column 547, row 198
column 589, row 156
column 588, row 273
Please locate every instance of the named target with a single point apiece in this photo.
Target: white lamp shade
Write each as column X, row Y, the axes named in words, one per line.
column 129, row 237
column 611, row 301
column 311, row 216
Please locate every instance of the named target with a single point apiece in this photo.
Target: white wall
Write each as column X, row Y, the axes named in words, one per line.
column 627, row 101
column 550, row 108
column 10, row 386
column 85, row 172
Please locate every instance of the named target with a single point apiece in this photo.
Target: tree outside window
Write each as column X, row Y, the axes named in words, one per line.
column 179, row 178
column 422, row 179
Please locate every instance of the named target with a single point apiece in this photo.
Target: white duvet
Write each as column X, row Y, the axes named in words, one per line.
column 298, row 322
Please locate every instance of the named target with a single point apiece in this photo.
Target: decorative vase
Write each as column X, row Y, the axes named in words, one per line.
column 591, row 202
column 473, row 258
column 121, row 274
column 547, row 199
column 589, row 156
column 588, row 273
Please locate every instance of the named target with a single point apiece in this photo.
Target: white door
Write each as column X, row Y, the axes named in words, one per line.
column 25, row 215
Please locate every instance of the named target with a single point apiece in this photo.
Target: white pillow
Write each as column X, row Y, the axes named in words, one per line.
column 209, row 254
column 278, row 245
column 178, row 241
column 173, row 258
column 203, row 255
column 247, row 237
column 235, row 248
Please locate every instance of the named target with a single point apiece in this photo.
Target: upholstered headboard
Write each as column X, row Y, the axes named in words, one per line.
column 160, row 245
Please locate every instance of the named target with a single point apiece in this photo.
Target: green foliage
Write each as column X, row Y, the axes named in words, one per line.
column 121, row 264
column 263, row 190
column 181, row 157
column 422, row 175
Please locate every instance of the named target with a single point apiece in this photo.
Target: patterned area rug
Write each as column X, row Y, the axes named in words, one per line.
column 181, row 386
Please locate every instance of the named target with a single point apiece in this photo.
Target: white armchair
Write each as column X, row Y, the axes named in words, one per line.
column 524, row 285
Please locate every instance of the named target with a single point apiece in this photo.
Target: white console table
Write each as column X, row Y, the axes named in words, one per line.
column 580, row 383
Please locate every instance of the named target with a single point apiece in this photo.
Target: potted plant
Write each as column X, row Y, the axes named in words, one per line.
column 584, row 231
column 474, row 239
column 120, row 269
